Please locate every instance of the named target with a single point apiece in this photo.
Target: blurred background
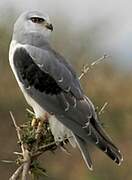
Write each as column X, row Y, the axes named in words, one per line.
column 83, row 31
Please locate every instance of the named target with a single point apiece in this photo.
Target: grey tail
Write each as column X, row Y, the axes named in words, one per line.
column 104, row 143
column 84, row 150
column 98, row 136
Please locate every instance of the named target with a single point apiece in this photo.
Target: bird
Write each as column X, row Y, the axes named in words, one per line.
column 50, row 84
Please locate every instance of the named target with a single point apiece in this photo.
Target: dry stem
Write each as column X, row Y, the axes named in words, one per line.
column 18, row 131
column 87, row 67
column 102, row 109
column 26, row 165
column 17, row 173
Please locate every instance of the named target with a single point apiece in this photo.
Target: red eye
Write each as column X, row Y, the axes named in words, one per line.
column 37, row 20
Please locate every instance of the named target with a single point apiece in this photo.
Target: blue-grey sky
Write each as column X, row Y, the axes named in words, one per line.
column 118, row 39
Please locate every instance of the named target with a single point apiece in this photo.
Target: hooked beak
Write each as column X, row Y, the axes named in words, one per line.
column 49, row 26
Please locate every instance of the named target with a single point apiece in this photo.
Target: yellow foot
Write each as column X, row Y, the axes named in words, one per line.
column 35, row 122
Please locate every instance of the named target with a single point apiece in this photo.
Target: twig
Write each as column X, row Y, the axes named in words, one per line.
column 18, row 153
column 87, row 67
column 7, row 161
column 102, row 109
column 42, row 149
column 30, row 112
column 18, row 131
column 47, row 147
column 17, row 173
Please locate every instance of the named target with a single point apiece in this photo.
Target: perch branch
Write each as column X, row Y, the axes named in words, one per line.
column 25, row 152
column 26, row 165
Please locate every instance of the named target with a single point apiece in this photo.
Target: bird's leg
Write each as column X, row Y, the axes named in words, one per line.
column 35, row 122
column 40, row 127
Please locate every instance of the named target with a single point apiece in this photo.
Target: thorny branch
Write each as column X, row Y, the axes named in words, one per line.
column 34, row 141
column 103, row 108
column 18, row 131
column 17, row 173
column 25, row 152
column 87, row 67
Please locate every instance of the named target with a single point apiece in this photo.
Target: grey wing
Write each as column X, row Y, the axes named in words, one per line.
column 50, row 62
column 71, row 98
column 54, row 78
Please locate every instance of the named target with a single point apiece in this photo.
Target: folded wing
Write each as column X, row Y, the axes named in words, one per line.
column 51, row 76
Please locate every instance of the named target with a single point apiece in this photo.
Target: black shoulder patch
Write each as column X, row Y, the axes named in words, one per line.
column 31, row 75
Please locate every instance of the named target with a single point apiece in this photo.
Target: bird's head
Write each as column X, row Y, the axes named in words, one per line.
column 33, row 22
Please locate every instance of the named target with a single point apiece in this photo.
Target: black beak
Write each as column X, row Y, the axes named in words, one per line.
column 49, row 26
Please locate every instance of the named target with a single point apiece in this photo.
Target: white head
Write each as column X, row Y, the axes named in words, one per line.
column 32, row 22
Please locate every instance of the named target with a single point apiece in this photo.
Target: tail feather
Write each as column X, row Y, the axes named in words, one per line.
column 100, row 137
column 92, row 131
column 107, row 147
column 98, row 127
column 84, row 150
